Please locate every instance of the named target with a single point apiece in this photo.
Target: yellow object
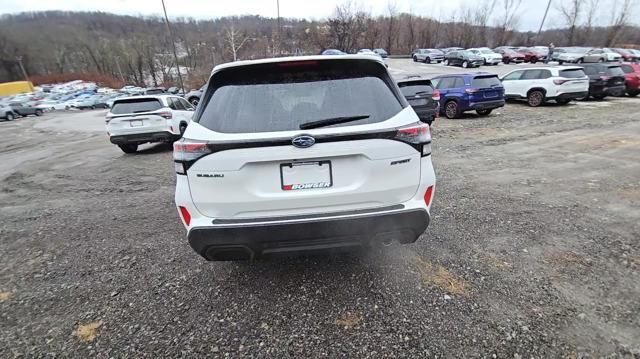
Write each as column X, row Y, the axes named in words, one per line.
column 16, row 87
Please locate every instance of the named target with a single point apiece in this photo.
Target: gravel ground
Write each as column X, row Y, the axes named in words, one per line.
column 532, row 252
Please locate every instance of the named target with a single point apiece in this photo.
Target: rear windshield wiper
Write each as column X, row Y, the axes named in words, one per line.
column 331, row 121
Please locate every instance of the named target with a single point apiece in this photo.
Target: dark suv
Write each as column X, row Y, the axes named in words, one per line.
column 463, row 58
column 605, row 80
column 423, row 97
column 481, row 92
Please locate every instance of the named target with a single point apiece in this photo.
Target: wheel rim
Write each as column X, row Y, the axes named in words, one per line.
column 452, row 109
column 194, row 102
column 9, row 117
column 446, row 62
column 427, row 60
column 535, row 99
column 465, row 64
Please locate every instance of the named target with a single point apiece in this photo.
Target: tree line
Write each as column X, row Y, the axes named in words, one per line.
column 119, row 49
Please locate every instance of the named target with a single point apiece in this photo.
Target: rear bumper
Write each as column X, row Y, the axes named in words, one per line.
column 139, row 138
column 486, row 105
column 603, row 90
column 230, row 240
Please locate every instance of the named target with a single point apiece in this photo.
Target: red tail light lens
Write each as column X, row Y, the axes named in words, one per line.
column 186, row 216
column 436, row 95
column 168, row 115
column 185, row 152
column 428, row 195
column 418, row 136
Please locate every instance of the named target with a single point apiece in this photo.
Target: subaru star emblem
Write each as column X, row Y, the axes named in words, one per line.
column 303, row 141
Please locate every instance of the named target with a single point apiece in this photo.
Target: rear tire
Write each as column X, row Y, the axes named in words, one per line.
column 484, row 112
column 465, row 64
column 182, row 128
column 445, row 62
column 560, row 62
column 38, row 112
column 415, row 58
column 506, row 61
column 452, row 110
column 427, row 60
column 10, row 117
column 129, row 148
column 194, row 101
column 533, row 60
column 535, row 98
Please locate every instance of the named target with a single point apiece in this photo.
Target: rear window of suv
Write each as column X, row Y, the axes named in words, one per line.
column 282, row 96
column 572, row 74
column 135, row 105
column 615, row 71
column 486, row 81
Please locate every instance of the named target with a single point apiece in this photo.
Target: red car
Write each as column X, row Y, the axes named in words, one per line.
column 531, row 55
column 632, row 78
column 509, row 55
column 627, row 55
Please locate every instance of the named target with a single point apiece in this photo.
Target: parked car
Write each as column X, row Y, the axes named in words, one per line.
column 557, row 52
column 540, row 84
column 490, row 57
column 155, row 91
column 24, row 110
column 382, row 52
column 6, row 112
column 133, row 121
column 423, row 98
column 193, row 96
column 531, row 55
column 509, row 55
column 50, row 105
column 320, row 170
column 333, row 52
column 599, row 55
column 627, row 55
column 367, row 52
column 428, row 55
column 544, row 50
column 572, row 54
column 481, row 92
column 632, row 78
column 605, row 80
column 463, row 58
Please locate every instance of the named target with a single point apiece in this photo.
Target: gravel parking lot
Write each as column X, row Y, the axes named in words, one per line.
column 532, row 251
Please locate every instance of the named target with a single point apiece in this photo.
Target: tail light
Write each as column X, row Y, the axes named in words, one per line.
column 165, row 114
column 471, row 91
column 436, row 95
column 184, row 213
column 186, row 152
column 560, row 81
column 418, row 136
column 428, row 195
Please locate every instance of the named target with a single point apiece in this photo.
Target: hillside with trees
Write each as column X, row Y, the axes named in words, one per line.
column 117, row 49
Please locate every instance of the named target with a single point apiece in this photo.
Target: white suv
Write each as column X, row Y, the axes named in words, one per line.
column 302, row 154
column 539, row 84
column 136, row 120
column 490, row 57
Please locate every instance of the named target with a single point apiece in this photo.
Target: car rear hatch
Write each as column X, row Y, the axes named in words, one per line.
column 616, row 76
column 572, row 80
column 138, row 115
column 421, row 95
column 256, row 154
column 485, row 88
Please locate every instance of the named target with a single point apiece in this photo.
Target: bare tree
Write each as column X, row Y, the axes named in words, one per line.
column 509, row 21
column 571, row 11
column 235, row 40
column 346, row 24
column 589, row 21
column 392, row 9
column 481, row 17
column 619, row 19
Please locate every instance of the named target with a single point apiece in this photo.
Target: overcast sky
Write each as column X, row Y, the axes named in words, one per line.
column 531, row 11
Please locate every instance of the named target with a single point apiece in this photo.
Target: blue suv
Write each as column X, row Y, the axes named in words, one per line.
column 481, row 92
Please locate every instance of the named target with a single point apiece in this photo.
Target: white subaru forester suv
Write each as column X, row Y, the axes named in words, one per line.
column 302, row 154
column 133, row 121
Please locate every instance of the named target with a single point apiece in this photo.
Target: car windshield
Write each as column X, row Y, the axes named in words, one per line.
column 615, row 71
column 282, row 96
column 468, row 53
column 486, row 81
column 486, row 51
column 572, row 73
column 135, row 105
